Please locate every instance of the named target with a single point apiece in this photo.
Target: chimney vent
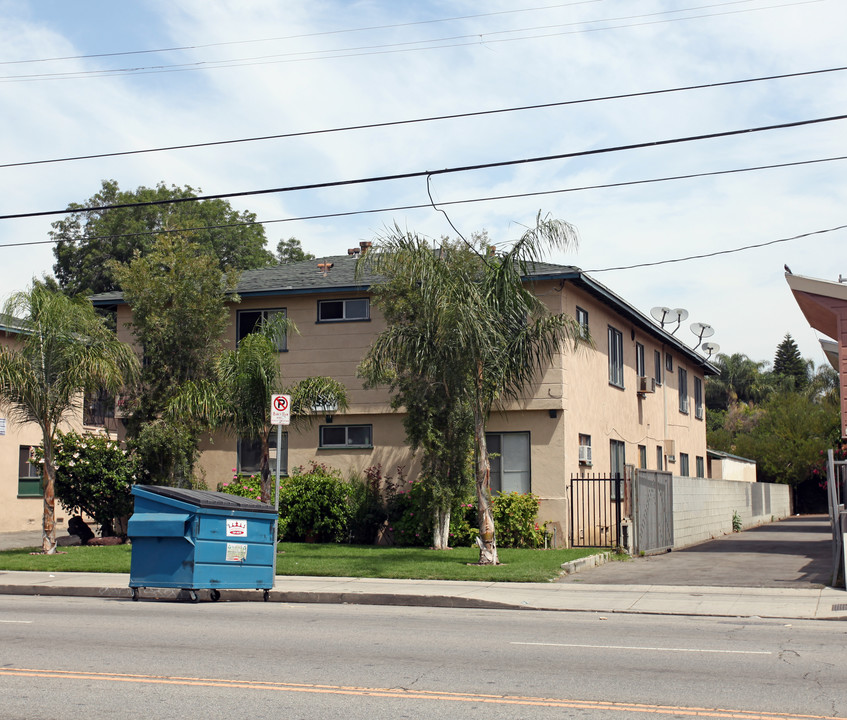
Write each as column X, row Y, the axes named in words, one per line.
column 364, row 246
column 324, row 267
column 352, row 252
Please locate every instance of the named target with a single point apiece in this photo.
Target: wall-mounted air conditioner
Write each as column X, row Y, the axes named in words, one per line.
column 646, row 385
column 585, row 455
column 670, row 450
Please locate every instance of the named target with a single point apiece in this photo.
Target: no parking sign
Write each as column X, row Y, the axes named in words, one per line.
column 280, row 409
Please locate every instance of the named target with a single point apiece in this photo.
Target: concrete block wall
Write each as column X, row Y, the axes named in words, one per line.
column 703, row 508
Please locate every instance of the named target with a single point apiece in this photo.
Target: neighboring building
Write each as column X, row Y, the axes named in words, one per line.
column 21, row 493
column 724, row 466
column 824, row 305
column 636, row 398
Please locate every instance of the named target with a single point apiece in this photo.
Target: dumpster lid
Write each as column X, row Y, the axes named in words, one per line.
column 209, row 500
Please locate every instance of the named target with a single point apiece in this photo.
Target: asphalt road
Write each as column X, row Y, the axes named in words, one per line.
column 95, row 658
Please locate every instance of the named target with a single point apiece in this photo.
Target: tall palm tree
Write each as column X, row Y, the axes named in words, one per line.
column 65, row 348
column 499, row 333
column 239, row 399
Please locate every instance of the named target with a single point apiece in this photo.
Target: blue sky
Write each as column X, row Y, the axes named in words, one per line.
column 265, row 67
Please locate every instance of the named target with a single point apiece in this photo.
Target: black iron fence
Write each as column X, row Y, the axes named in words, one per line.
column 596, row 511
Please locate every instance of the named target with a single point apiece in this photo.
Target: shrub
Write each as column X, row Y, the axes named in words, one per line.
column 314, row 506
column 371, row 498
column 246, row 486
column 93, row 477
column 515, row 520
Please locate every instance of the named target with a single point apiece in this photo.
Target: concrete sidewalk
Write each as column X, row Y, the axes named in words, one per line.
column 776, row 571
column 785, row 603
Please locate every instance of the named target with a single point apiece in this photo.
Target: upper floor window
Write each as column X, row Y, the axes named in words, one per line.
column 615, row 357
column 98, row 407
column 346, row 436
column 248, row 321
column 683, row 390
column 582, row 321
column 668, row 362
column 344, row 310
column 698, row 398
column 683, row 464
column 640, row 368
column 657, row 367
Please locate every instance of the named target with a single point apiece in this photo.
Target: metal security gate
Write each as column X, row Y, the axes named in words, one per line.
column 652, row 501
column 836, row 481
column 596, row 511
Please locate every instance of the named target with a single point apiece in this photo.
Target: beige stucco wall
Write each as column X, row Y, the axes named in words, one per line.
column 731, row 469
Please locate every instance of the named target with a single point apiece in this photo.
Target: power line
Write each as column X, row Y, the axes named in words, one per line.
column 465, row 201
column 718, row 252
column 425, row 173
column 298, row 37
column 455, row 116
column 449, row 42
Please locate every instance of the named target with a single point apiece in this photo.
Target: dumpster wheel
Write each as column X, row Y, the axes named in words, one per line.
column 215, row 594
column 266, row 595
column 135, row 594
column 193, row 595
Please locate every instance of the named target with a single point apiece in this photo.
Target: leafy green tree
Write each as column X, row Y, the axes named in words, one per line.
column 237, row 398
column 65, row 349
column 178, row 295
column 290, row 251
column 500, row 334
column 87, row 245
column 789, row 435
column 789, row 365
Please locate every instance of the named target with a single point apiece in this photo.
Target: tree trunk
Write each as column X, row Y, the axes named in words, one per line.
column 48, row 526
column 486, row 540
column 441, row 528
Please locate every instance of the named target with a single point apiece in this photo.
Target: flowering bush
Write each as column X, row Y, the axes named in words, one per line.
column 247, row 486
column 516, row 520
column 93, row 477
column 313, row 505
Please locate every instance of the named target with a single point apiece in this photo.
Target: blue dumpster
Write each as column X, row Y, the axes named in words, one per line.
column 197, row 539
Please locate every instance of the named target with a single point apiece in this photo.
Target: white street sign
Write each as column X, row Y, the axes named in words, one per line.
column 280, row 409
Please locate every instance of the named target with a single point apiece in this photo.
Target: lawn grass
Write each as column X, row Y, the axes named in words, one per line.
column 329, row 560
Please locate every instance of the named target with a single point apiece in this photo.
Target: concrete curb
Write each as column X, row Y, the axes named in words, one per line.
column 590, row 561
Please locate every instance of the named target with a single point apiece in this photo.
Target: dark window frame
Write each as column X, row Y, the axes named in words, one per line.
column 698, row 398
column 497, row 465
column 640, row 360
column 616, row 361
column 30, row 476
column 345, row 317
column 322, row 445
column 263, row 313
column 682, row 376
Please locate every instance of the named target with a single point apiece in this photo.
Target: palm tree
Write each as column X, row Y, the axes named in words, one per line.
column 65, row 349
column 740, row 379
column 239, row 399
column 498, row 332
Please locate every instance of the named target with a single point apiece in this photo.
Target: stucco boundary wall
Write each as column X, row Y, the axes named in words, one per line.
column 703, row 508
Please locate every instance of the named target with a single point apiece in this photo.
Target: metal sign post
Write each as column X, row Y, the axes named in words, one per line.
column 280, row 415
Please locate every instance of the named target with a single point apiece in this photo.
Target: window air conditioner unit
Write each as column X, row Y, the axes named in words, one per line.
column 585, row 454
column 670, row 450
column 646, row 385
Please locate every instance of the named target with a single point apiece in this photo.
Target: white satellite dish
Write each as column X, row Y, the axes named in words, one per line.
column 710, row 349
column 661, row 314
column 678, row 314
column 701, row 330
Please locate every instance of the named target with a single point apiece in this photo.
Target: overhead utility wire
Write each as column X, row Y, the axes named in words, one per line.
column 718, row 252
column 297, row 37
column 433, row 118
column 425, row 173
column 387, row 49
column 490, row 198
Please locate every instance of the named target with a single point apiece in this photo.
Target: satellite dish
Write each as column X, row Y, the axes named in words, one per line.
column 710, row 348
column 661, row 314
column 701, row 330
column 678, row 314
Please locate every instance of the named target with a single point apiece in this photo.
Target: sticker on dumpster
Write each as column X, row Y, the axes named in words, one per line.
column 236, row 552
column 236, row 528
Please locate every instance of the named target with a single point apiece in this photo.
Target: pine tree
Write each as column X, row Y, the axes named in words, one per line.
column 789, row 364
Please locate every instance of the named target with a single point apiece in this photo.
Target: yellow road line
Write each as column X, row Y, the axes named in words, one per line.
column 395, row 693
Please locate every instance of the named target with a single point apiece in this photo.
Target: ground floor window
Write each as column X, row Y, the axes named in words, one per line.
column 642, row 457
column 346, row 436
column 29, row 474
column 683, row 464
column 509, row 458
column 701, row 466
column 250, row 454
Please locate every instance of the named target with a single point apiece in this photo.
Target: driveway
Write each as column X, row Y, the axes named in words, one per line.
column 792, row 553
